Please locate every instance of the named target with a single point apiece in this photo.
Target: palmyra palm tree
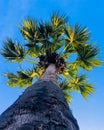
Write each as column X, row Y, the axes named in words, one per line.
column 58, row 52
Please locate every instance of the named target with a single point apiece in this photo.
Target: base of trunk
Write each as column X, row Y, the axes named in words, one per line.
column 41, row 107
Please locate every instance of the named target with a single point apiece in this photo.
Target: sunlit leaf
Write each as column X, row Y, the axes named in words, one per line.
column 29, row 30
column 13, row 51
column 76, row 34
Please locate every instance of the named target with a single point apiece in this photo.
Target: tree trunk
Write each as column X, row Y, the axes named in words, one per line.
column 51, row 74
column 41, row 107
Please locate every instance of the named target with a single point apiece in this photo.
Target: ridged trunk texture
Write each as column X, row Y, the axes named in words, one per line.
column 51, row 74
column 41, row 107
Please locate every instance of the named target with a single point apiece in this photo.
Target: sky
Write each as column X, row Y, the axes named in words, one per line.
column 89, row 113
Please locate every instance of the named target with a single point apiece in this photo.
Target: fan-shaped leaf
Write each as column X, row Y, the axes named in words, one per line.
column 29, row 30
column 86, row 56
column 13, row 51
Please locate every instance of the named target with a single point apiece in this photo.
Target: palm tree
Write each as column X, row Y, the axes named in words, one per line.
column 50, row 46
column 58, row 52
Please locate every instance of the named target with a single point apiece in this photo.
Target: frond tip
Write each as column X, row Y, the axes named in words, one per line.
column 77, row 35
column 65, row 87
column 79, row 83
column 20, row 79
column 23, row 78
column 87, row 56
column 29, row 30
column 86, row 90
column 13, row 51
column 58, row 20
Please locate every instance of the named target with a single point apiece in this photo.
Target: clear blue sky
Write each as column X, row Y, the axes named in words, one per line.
column 90, row 113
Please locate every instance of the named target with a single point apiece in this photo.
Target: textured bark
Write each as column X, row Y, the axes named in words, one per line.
column 51, row 74
column 41, row 107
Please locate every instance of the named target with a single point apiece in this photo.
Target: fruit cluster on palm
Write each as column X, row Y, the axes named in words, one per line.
column 53, row 42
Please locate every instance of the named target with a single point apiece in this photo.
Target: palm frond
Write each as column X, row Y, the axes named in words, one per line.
column 70, row 71
column 23, row 78
column 76, row 81
column 58, row 22
column 35, row 72
column 79, row 83
column 86, row 56
column 87, row 51
column 81, row 34
column 64, row 85
column 34, row 50
column 13, row 51
column 69, row 33
column 45, row 30
column 67, row 50
column 68, row 97
column 29, row 30
column 76, row 35
column 86, row 90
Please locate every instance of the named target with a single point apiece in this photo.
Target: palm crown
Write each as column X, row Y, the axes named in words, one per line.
column 53, row 42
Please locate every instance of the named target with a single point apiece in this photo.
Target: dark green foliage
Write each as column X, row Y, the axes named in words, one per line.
column 13, row 51
column 53, row 42
column 79, row 83
column 86, row 56
column 77, row 35
column 67, row 89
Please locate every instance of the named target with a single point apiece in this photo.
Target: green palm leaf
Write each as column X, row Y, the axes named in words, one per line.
column 70, row 71
column 76, row 35
column 23, row 78
column 79, row 83
column 86, row 90
column 45, row 30
column 34, row 50
column 81, row 34
column 29, row 30
column 13, row 51
column 66, row 90
column 58, row 22
column 86, row 56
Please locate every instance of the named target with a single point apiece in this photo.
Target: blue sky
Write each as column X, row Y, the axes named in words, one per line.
column 90, row 113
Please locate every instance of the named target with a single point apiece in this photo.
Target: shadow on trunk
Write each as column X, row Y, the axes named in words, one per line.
column 41, row 107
